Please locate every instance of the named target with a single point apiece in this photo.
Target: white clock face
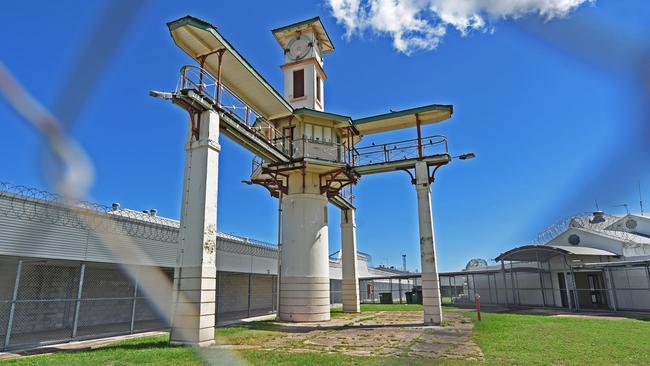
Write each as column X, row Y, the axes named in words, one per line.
column 299, row 47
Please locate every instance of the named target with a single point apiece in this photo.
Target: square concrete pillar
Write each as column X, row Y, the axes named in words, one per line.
column 350, row 284
column 430, row 282
column 195, row 276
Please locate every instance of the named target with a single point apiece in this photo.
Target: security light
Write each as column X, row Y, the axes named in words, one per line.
column 467, row 156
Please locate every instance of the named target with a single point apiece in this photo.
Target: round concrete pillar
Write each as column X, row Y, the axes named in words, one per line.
column 304, row 279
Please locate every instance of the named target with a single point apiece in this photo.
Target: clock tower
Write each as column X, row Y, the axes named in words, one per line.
column 304, row 44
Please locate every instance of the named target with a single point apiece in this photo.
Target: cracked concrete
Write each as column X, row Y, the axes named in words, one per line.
column 384, row 333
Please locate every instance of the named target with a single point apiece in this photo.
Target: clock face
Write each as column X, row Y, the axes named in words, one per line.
column 299, row 47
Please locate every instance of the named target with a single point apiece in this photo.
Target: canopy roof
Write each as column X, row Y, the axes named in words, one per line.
column 320, row 114
column 284, row 34
column 402, row 119
column 197, row 38
column 530, row 253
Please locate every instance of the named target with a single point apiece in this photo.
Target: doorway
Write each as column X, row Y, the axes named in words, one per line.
column 592, row 293
column 563, row 293
column 287, row 139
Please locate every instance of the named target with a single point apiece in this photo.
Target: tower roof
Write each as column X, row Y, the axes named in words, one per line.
column 199, row 38
column 284, row 34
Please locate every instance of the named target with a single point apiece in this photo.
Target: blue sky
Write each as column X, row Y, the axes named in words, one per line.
column 555, row 111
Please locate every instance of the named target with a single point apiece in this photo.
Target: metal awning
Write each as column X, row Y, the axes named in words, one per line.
column 199, row 38
column 402, row 119
column 531, row 253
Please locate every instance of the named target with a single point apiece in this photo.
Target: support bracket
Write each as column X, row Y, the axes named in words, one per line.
column 332, row 182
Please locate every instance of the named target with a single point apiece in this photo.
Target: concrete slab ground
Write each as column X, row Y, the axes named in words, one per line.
column 384, row 333
column 389, row 333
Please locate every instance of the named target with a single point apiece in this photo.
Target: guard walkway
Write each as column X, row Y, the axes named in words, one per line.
column 401, row 155
column 198, row 91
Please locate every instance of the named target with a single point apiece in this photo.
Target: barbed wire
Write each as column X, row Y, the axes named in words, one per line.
column 585, row 221
column 231, row 244
column 25, row 203
column 32, row 204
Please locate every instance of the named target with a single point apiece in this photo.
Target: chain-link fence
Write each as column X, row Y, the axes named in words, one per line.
column 390, row 289
column 609, row 286
column 244, row 295
column 45, row 301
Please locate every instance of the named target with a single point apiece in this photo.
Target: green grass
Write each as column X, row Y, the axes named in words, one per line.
column 506, row 339
column 140, row 351
column 514, row 339
column 253, row 333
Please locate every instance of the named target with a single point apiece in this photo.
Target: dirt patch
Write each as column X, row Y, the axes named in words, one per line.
column 386, row 333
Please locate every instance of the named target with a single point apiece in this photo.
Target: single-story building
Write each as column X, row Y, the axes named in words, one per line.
column 587, row 262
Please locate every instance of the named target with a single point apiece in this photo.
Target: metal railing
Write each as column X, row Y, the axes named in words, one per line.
column 306, row 148
column 401, row 150
column 205, row 84
column 316, row 149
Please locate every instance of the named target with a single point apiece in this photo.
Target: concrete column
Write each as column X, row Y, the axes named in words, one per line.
column 195, row 276
column 304, row 278
column 430, row 281
column 349, row 261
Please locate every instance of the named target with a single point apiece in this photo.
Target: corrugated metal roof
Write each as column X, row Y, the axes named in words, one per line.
column 530, row 253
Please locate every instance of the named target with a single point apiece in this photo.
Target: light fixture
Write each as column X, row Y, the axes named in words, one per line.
column 467, row 156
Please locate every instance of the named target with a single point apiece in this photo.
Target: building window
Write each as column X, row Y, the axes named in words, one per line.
column 319, row 133
column 574, row 239
column 299, row 83
column 318, row 91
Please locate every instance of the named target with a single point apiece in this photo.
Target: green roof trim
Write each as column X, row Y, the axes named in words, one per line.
column 201, row 24
column 405, row 112
column 326, row 115
column 307, row 21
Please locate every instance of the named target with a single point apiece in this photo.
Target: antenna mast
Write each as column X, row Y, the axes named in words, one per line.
column 640, row 197
column 627, row 210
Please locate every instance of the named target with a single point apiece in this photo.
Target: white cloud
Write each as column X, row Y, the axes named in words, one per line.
column 421, row 24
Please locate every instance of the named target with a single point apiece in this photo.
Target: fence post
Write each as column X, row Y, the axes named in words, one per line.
column 541, row 279
column 12, row 310
column 250, row 279
column 75, row 322
column 576, row 293
column 611, row 284
column 135, row 297
column 474, row 284
column 489, row 287
column 496, row 288
column 399, row 286
column 453, row 289
column 515, row 289
column 505, row 283
column 550, row 275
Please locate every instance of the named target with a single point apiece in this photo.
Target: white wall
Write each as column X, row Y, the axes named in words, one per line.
column 590, row 240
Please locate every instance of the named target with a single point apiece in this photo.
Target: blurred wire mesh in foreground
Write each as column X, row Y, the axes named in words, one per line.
column 71, row 172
